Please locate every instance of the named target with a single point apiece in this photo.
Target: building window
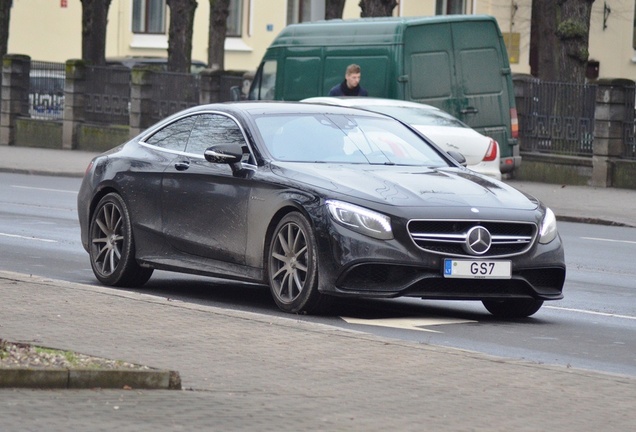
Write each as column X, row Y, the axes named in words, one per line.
column 634, row 33
column 298, row 11
column 149, row 16
column 450, row 7
column 235, row 19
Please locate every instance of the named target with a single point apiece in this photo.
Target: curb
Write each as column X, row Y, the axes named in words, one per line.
column 89, row 379
column 593, row 221
column 42, row 172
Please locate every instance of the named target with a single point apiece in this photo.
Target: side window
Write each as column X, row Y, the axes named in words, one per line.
column 211, row 129
column 264, row 86
column 174, row 136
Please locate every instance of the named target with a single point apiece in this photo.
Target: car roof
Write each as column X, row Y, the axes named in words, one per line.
column 254, row 108
column 367, row 101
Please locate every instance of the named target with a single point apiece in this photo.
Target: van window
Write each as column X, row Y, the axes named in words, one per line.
column 264, row 85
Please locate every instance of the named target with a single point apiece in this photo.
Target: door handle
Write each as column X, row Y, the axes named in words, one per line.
column 469, row 110
column 182, row 165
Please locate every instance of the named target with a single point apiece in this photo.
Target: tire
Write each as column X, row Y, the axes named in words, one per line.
column 513, row 308
column 293, row 267
column 112, row 247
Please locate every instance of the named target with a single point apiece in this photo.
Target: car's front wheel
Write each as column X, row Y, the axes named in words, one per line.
column 112, row 247
column 513, row 308
column 293, row 266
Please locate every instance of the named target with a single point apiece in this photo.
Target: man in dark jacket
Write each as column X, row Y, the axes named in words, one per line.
column 351, row 84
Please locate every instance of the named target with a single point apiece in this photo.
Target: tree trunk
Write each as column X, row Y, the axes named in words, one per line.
column 219, row 11
column 561, row 39
column 180, row 34
column 94, row 23
column 334, row 9
column 377, row 8
column 5, row 19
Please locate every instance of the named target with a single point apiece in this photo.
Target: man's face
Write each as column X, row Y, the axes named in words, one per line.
column 353, row 79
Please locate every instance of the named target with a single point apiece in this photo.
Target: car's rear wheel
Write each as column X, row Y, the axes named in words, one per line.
column 112, row 248
column 513, row 308
column 293, row 266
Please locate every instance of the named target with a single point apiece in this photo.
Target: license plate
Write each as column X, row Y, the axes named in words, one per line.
column 477, row 269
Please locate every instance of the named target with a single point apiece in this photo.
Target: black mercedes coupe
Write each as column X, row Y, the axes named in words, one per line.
column 315, row 202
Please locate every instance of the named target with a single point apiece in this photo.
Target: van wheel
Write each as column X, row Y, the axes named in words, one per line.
column 112, row 247
column 513, row 308
column 293, row 267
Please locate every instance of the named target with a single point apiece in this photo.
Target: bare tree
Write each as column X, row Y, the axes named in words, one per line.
column 94, row 23
column 180, row 34
column 334, row 9
column 560, row 39
column 377, row 8
column 219, row 11
column 5, row 18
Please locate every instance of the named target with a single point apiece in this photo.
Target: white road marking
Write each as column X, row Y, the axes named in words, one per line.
column 605, row 314
column 406, row 322
column 43, row 189
column 28, row 238
column 609, row 240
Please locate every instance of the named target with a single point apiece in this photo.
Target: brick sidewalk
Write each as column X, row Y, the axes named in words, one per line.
column 245, row 371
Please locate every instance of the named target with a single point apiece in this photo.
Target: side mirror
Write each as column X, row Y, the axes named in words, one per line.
column 459, row 158
column 224, row 153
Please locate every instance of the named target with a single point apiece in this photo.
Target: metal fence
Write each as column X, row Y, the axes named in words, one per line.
column 46, row 90
column 554, row 117
column 173, row 92
column 557, row 118
column 107, row 98
column 629, row 128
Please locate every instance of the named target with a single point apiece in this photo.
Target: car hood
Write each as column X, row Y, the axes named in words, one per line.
column 409, row 186
column 470, row 143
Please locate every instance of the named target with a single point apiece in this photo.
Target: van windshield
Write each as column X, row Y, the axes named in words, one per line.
column 345, row 139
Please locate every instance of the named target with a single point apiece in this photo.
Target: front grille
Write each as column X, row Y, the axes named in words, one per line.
column 448, row 237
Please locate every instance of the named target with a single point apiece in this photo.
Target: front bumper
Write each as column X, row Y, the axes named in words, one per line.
column 353, row 265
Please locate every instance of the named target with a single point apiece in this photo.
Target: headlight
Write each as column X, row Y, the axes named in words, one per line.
column 548, row 230
column 361, row 220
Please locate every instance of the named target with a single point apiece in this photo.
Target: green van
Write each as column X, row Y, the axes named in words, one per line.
column 457, row 63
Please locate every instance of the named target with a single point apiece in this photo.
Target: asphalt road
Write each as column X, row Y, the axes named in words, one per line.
column 592, row 328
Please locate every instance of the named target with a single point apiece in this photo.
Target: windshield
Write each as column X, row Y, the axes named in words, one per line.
column 345, row 139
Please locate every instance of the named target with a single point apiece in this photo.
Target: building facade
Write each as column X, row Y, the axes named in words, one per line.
column 50, row 30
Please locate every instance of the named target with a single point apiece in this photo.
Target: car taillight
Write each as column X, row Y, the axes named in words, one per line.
column 491, row 153
column 514, row 122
